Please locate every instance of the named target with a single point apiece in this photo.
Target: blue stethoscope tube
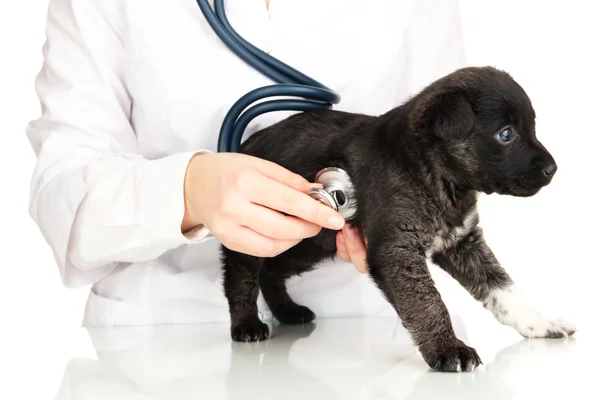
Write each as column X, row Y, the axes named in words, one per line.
column 290, row 82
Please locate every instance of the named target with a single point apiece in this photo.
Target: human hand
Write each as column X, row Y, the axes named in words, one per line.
column 352, row 249
column 241, row 200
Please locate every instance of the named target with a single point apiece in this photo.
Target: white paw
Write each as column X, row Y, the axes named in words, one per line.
column 510, row 308
column 538, row 326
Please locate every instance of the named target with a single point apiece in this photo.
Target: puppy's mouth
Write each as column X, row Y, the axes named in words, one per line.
column 523, row 192
column 523, row 188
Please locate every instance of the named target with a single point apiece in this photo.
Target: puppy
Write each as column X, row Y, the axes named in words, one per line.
column 417, row 171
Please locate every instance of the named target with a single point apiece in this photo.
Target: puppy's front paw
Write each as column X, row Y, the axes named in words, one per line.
column 510, row 308
column 538, row 326
column 454, row 357
column 250, row 330
column 293, row 313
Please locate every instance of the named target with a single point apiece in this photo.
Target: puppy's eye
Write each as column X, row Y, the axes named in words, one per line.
column 505, row 135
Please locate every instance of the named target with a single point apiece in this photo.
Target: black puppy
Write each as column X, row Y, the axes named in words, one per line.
column 417, row 171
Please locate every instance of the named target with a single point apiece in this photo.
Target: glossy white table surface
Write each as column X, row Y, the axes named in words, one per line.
column 332, row 359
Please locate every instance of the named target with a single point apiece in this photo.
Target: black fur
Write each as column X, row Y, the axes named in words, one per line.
column 416, row 170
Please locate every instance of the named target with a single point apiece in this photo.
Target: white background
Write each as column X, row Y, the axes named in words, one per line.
column 548, row 243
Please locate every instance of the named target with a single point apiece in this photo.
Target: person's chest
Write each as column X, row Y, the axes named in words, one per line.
column 183, row 80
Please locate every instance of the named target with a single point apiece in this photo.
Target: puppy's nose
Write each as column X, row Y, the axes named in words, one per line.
column 550, row 170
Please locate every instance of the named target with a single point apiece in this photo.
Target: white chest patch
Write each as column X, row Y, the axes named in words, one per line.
column 445, row 239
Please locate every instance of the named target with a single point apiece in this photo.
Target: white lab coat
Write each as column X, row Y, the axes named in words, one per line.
column 131, row 89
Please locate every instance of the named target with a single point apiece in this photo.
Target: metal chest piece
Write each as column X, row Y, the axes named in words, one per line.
column 337, row 191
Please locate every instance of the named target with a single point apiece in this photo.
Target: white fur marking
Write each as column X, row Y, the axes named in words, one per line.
column 510, row 308
column 446, row 239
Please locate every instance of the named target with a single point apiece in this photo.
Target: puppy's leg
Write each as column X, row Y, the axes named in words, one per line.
column 241, row 273
column 402, row 275
column 297, row 260
column 272, row 286
column 471, row 262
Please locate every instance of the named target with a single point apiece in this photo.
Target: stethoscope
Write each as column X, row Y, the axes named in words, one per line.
column 337, row 191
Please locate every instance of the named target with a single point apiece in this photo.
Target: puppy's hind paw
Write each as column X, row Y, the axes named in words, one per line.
column 456, row 357
column 250, row 330
column 293, row 313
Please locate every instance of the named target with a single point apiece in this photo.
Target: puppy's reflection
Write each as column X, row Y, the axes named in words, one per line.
column 498, row 379
column 190, row 362
column 263, row 369
column 332, row 359
column 327, row 360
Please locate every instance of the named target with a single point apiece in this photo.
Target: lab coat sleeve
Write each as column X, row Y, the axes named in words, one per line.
column 97, row 202
column 435, row 44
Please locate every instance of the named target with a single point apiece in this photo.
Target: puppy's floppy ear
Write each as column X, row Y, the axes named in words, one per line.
column 445, row 113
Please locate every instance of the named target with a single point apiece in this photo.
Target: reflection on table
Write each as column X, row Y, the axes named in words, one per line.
column 332, row 359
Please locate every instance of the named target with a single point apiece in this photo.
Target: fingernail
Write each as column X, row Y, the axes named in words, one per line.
column 336, row 222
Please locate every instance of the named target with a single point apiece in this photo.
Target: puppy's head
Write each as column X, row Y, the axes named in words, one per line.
column 482, row 124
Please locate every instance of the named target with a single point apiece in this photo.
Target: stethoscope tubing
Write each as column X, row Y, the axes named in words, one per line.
column 289, row 82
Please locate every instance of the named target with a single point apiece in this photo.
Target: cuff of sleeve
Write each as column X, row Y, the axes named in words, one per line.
column 162, row 201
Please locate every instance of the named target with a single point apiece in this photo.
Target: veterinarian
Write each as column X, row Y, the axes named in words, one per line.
column 128, row 190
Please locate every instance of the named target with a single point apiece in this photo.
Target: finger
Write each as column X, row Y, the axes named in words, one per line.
column 247, row 241
column 292, row 202
column 275, row 225
column 356, row 249
column 342, row 250
column 282, row 175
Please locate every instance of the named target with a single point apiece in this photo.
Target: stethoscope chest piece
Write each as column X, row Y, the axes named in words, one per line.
column 337, row 191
